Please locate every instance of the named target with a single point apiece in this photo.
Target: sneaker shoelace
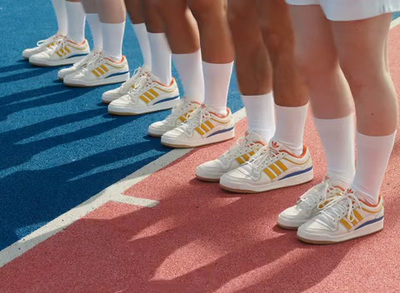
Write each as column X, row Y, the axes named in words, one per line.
column 60, row 44
column 125, row 87
column 195, row 119
column 143, row 84
column 318, row 195
column 265, row 157
column 241, row 147
column 47, row 41
column 183, row 107
column 342, row 206
column 90, row 58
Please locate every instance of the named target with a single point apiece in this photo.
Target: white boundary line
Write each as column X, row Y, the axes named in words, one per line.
column 112, row 193
column 395, row 22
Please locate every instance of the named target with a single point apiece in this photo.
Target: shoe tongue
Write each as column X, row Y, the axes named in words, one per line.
column 255, row 137
column 154, row 78
column 276, row 146
column 145, row 68
column 337, row 183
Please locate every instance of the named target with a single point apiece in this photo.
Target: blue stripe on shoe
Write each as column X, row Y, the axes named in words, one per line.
column 221, row 131
column 370, row 222
column 116, row 74
column 77, row 55
column 169, row 99
column 297, row 173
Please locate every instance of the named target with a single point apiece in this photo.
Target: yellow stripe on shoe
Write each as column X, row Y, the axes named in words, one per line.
column 269, row 173
column 275, row 169
column 144, row 99
column 281, row 165
column 198, row 129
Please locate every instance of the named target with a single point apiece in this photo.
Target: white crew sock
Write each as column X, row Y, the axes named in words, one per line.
column 216, row 85
column 143, row 39
column 61, row 15
column 76, row 21
column 191, row 72
column 260, row 114
column 290, row 123
column 337, row 137
column 113, row 36
column 95, row 27
column 160, row 57
column 373, row 153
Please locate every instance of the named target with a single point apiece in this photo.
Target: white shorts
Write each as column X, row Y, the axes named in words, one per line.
column 347, row 10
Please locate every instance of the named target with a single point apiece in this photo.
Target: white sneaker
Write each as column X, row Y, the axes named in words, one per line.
column 101, row 71
column 309, row 204
column 66, row 52
column 271, row 168
column 202, row 127
column 114, row 94
column 148, row 95
column 236, row 156
column 43, row 45
column 91, row 57
column 344, row 218
column 177, row 117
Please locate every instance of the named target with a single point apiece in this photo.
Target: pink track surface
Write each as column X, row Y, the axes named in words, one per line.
column 202, row 239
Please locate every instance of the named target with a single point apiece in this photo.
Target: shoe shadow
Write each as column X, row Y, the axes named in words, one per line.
column 11, row 68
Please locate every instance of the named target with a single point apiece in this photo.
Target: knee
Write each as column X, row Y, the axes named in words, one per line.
column 205, row 10
column 237, row 11
column 313, row 66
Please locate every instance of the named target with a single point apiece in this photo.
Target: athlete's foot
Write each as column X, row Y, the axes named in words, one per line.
column 310, row 204
column 236, row 156
column 66, row 52
column 148, row 95
column 91, row 57
column 271, row 168
column 101, row 71
column 114, row 94
column 344, row 218
column 177, row 117
column 43, row 45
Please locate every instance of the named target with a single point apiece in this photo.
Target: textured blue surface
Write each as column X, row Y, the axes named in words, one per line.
column 58, row 145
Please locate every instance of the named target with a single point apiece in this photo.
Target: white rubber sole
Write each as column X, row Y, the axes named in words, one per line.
column 173, row 143
column 247, row 187
column 105, row 81
column 50, row 63
column 125, row 111
column 306, row 237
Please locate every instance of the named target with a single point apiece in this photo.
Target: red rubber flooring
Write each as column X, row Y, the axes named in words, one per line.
column 202, row 239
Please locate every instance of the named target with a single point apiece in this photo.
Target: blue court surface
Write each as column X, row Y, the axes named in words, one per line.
column 59, row 146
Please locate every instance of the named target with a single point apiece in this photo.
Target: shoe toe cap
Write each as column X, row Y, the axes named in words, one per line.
column 234, row 176
column 121, row 101
column 312, row 228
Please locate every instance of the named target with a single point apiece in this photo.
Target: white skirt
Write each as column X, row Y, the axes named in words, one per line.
column 347, row 10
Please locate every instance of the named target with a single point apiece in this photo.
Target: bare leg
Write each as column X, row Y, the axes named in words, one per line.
column 361, row 47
